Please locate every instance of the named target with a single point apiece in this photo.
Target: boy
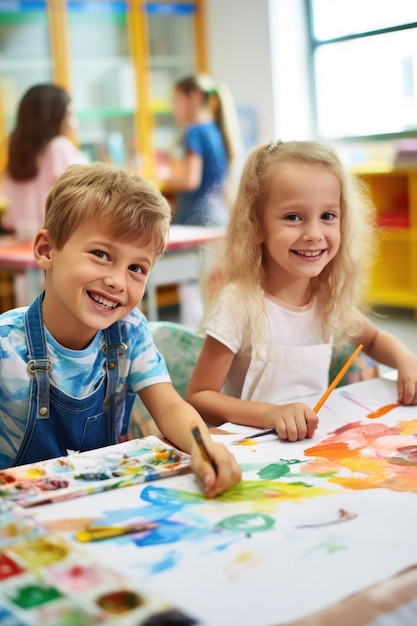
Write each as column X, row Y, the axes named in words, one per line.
column 71, row 361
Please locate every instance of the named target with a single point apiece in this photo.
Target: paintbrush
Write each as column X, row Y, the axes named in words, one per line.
column 322, row 400
column 270, row 431
column 97, row 533
column 202, row 446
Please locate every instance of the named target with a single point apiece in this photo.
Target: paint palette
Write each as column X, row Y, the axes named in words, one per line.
column 78, row 474
column 45, row 579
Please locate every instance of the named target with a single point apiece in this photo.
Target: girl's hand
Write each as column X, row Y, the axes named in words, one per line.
column 292, row 421
column 407, row 381
column 219, row 476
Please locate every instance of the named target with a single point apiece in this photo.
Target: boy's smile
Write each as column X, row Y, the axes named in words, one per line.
column 93, row 281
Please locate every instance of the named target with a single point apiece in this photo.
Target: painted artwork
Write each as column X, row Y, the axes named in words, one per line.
column 46, row 579
column 78, row 474
column 311, row 522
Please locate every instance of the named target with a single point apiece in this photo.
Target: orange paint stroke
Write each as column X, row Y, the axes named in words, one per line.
column 333, row 451
column 246, row 442
column 383, row 410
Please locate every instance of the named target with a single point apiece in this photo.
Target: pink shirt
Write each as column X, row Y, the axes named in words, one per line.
column 26, row 199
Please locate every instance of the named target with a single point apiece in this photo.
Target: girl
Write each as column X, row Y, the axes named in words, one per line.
column 39, row 152
column 298, row 247
column 210, row 144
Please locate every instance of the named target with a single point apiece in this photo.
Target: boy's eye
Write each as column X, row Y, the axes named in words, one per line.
column 137, row 269
column 100, row 254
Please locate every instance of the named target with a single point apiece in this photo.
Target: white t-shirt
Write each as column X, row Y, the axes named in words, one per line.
column 295, row 341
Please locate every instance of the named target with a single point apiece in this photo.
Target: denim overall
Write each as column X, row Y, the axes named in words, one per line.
column 58, row 422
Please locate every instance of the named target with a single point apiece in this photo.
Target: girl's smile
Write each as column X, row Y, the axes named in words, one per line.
column 308, row 254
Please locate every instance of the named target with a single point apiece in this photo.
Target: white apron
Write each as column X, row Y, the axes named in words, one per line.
column 279, row 374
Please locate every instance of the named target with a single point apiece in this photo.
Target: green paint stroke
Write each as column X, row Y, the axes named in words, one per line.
column 247, row 522
column 328, row 547
column 278, row 469
column 268, row 491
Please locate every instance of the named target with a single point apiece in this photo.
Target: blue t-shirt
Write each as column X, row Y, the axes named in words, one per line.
column 205, row 206
column 76, row 372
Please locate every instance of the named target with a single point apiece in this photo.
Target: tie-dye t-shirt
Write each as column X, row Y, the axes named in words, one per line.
column 75, row 372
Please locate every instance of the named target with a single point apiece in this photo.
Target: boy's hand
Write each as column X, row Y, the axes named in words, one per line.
column 292, row 421
column 219, row 476
column 407, row 381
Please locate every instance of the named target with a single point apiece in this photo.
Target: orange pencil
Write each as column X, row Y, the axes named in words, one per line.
column 337, row 379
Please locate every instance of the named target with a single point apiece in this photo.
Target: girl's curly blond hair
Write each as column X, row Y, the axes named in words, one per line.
column 341, row 285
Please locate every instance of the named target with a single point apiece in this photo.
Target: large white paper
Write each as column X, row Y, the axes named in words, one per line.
column 311, row 523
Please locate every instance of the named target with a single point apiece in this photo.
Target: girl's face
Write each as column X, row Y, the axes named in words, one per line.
column 69, row 123
column 300, row 226
column 186, row 106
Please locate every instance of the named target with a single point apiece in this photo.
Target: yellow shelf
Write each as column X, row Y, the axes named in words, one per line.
column 394, row 193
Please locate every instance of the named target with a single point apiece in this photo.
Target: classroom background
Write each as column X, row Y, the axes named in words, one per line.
column 344, row 72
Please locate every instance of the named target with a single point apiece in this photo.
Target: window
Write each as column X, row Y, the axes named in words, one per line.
column 365, row 67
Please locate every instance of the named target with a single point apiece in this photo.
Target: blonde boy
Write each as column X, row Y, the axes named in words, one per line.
column 71, row 362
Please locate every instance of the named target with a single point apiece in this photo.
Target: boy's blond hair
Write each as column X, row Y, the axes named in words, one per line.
column 130, row 207
column 340, row 286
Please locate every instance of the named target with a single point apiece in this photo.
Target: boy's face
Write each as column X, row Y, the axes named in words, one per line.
column 90, row 283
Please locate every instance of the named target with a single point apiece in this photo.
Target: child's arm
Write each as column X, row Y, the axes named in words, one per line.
column 176, row 418
column 388, row 350
column 291, row 421
column 183, row 175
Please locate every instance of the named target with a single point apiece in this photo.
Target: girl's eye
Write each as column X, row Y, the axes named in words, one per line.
column 292, row 217
column 328, row 216
column 101, row 255
column 137, row 269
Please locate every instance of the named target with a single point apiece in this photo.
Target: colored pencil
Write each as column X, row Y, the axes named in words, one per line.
column 204, row 452
column 337, row 379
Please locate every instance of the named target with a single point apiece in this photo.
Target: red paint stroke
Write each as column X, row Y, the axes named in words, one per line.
column 344, row 516
column 383, row 410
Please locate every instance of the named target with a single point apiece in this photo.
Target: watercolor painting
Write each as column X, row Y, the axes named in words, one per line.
column 128, row 463
column 368, row 456
column 46, row 579
column 342, row 505
column 280, row 525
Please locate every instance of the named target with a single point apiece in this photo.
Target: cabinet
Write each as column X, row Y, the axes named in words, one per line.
column 394, row 277
column 117, row 58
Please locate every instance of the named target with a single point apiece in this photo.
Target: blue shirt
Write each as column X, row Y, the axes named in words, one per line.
column 205, row 206
column 76, row 372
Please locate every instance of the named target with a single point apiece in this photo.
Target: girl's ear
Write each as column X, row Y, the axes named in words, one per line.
column 259, row 234
column 42, row 249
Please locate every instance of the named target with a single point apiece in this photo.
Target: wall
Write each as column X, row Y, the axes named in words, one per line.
column 259, row 49
column 240, row 56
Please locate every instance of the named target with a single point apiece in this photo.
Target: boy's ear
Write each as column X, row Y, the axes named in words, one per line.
column 42, row 249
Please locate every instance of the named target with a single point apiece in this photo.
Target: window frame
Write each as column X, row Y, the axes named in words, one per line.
column 315, row 44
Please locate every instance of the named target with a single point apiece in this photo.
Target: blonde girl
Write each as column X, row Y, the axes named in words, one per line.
column 290, row 282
